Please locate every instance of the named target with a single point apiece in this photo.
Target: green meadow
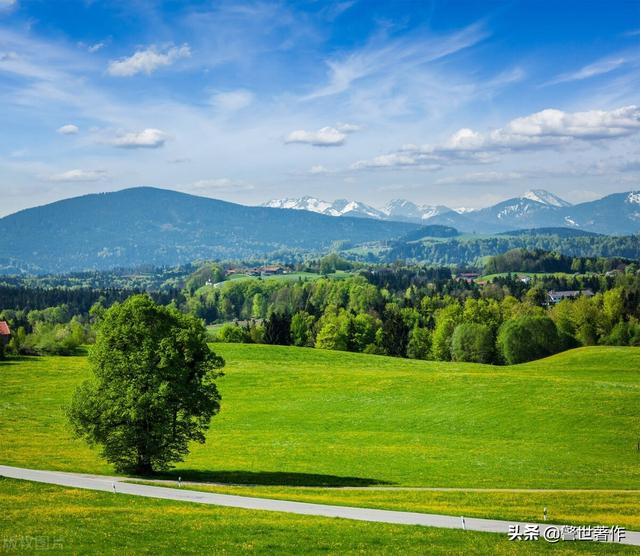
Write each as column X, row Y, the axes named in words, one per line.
column 305, row 417
column 298, row 423
column 71, row 521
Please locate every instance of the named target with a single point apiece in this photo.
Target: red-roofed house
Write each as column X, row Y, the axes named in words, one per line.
column 5, row 332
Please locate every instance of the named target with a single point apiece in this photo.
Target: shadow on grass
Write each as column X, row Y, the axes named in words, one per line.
column 272, row 478
column 11, row 361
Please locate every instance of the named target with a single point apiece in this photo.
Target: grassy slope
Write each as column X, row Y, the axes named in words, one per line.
column 85, row 522
column 310, row 417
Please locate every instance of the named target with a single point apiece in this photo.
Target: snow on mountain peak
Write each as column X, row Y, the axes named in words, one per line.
column 399, row 209
column 634, row 197
column 545, row 197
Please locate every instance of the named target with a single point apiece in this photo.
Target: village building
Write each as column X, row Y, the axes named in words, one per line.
column 5, row 332
column 554, row 297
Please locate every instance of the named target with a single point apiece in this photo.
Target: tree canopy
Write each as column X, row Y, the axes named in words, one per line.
column 153, row 389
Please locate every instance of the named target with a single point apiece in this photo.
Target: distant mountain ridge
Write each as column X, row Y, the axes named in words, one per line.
column 616, row 214
column 146, row 225
column 152, row 226
column 399, row 209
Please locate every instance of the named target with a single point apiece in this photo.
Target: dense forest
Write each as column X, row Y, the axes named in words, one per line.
column 471, row 250
column 523, row 260
column 428, row 314
column 424, row 312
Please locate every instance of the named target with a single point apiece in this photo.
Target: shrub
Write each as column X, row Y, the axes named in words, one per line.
column 472, row 342
column 528, row 338
column 419, row 345
column 233, row 334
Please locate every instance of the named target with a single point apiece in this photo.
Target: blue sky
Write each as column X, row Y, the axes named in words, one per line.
column 456, row 103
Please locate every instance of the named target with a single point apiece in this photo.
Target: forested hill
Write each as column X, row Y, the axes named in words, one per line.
column 161, row 227
column 471, row 249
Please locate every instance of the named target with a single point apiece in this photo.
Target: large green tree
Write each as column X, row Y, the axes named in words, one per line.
column 528, row 338
column 153, row 389
column 472, row 342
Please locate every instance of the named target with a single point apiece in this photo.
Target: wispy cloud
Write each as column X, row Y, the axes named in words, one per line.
column 147, row 61
column 318, row 169
column 385, row 56
column 218, row 185
column 78, row 175
column 480, row 178
column 599, row 67
column 231, row 101
column 95, row 47
column 145, row 139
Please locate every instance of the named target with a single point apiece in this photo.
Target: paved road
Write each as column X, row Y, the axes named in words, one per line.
column 172, row 483
column 105, row 483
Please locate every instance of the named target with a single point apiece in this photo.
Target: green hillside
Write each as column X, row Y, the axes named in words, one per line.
column 294, row 416
column 302, row 424
column 150, row 226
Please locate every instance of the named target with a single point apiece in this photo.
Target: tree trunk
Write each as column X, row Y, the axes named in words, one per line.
column 143, row 468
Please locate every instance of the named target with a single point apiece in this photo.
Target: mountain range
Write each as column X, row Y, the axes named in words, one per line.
column 149, row 226
column 399, row 210
column 146, row 225
column 618, row 213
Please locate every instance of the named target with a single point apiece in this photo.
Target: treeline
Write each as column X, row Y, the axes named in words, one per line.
column 77, row 300
column 51, row 331
column 57, row 321
column 537, row 260
column 472, row 250
column 440, row 320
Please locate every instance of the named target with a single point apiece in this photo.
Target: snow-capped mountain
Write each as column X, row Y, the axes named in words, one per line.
column 339, row 207
column 304, row 203
column 401, row 209
column 546, row 198
column 464, row 210
column 357, row 209
column 398, row 209
column 614, row 214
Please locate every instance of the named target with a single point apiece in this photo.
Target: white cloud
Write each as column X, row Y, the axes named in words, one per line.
column 324, row 137
column 391, row 160
column 148, row 138
column 6, row 4
column 330, row 136
column 231, row 101
column 147, row 61
column 69, row 129
column 95, row 47
column 78, row 175
column 348, row 128
column 552, row 126
column 546, row 129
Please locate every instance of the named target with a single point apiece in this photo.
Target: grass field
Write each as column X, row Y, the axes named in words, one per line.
column 295, row 417
column 70, row 521
column 604, row 507
column 307, row 417
column 289, row 277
